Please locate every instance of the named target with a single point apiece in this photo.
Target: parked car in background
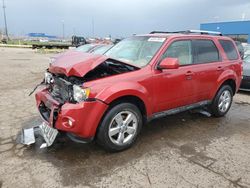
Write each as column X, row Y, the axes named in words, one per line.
column 240, row 49
column 108, row 98
column 245, row 83
column 102, row 49
column 246, row 51
column 88, row 48
column 78, row 41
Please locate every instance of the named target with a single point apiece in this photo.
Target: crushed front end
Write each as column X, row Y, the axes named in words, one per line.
column 64, row 106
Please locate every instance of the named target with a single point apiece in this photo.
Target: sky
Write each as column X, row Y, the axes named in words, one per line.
column 118, row 18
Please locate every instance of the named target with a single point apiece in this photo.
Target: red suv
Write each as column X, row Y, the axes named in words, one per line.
column 109, row 97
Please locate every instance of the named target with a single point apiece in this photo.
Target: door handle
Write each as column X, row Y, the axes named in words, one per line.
column 219, row 68
column 189, row 73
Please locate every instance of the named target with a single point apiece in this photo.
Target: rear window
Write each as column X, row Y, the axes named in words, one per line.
column 205, row 51
column 229, row 49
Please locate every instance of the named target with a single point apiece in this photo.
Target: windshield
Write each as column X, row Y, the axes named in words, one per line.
column 101, row 50
column 137, row 50
column 85, row 48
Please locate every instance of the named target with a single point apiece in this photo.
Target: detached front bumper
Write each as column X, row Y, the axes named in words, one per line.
column 80, row 119
column 28, row 135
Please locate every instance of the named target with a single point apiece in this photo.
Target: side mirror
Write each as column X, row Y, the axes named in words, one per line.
column 169, row 63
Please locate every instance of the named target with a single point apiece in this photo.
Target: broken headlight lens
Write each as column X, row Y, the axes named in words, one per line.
column 80, row 94
column 48, row 78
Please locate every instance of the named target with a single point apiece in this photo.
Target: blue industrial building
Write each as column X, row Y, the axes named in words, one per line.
column 41, row 35
column 238, row 30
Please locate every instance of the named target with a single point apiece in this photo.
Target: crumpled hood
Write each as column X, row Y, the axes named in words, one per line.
column 76, row 63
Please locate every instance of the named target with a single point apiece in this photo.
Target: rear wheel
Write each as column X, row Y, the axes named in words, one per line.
column 222, row 101
column 120, row 127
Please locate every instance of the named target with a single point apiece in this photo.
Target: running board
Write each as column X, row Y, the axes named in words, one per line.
column 181, row 109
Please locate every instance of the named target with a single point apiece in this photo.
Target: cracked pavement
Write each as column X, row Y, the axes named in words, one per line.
column 184, row 150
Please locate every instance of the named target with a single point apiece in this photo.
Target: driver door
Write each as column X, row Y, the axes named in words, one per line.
column 175, row 87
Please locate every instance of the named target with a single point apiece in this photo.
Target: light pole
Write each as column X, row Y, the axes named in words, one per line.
column 93, row 27
column 5, row 21
column 63, row 29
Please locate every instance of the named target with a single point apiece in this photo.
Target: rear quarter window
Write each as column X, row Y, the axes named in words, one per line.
column 229, row 49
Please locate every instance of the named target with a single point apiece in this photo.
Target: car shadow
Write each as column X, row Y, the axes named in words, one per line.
column 184, row 131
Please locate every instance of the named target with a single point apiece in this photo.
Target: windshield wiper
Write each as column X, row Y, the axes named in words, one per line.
column 123, row 63
column 117, row 63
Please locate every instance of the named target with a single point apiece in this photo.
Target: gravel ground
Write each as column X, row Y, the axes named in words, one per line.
column 184, row 150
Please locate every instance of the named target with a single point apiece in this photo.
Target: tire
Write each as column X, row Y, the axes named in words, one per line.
column 114, row 132
column 222, row 101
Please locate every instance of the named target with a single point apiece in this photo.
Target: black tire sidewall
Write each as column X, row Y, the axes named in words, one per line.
column 215, row 104
column 102, row 133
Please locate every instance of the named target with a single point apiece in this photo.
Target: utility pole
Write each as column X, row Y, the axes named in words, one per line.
column 93, row 27
column 63, row 29
column 5, row 21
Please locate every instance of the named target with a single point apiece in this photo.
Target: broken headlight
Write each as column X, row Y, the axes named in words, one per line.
column 48, row 78
column 80, row 94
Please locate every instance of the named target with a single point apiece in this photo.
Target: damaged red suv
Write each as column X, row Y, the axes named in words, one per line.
column 109, row 97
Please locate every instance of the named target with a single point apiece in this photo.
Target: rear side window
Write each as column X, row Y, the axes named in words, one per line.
column 205, row 51
column 229, row 49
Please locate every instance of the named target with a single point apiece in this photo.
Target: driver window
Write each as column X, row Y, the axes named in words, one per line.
column 181, row 50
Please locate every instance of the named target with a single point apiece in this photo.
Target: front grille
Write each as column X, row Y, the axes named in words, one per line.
column 61, row 90
column 46, row 112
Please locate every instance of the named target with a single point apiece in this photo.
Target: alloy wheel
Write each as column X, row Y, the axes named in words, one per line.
column 123, row 127
column 224, row 101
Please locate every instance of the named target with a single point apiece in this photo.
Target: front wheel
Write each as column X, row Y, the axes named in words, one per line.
column 222, row 101
column 120, row 127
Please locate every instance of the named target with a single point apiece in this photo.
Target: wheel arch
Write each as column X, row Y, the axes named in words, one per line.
column 127, row 91
column 228, row 77
column 133, row 100
column 229, row 81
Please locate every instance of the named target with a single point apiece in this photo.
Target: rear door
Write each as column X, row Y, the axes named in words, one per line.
column 207, row 67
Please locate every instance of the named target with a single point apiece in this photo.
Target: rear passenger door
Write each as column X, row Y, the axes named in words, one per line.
column 207, row 67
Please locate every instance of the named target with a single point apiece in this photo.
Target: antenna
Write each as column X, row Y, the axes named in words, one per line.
column 93, row 27
column 5, row 21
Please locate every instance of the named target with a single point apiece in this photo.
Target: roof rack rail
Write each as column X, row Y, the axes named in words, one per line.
column 167, row 32
column 206, row 32
column 202, row 32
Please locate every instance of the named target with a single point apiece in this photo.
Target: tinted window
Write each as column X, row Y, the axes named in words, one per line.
column 229, row 49
column 181, row 50
column 205, row 51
